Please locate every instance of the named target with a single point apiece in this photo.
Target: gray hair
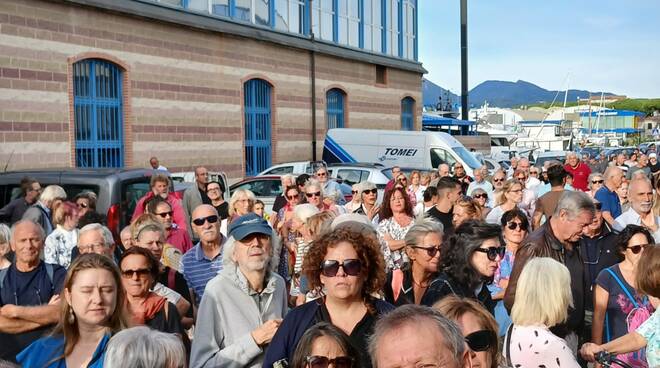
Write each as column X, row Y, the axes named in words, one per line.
column 592, row 176
column 5, row 234
column 143, row 347
column 313, row 183
column 150, row 226
column 108, row 240
column 574, row 202
column 273, row 256
column 415, row 314
column 289, row 177
column 51, row 193
column 421, row 228
column 41, row 231
column 304, row 211
column 571, row 154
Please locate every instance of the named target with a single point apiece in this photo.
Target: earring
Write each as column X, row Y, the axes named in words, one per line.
column 72, row 317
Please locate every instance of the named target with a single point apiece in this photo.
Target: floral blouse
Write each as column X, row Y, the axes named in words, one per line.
column 58, row 246
column 397, row 258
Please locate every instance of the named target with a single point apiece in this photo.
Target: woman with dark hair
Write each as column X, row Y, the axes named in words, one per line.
column 618, row 306
column 322, row 345
column 86, row 201
column 91, row 312
column 468, row 261
column 396, row 218
column 347, row 268
column 139, row 271
column 514, row 229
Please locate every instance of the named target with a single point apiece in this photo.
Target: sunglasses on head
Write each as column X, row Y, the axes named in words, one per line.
column 200, row 221
column 481, row 340
column 330, row 267
column 637, row 248
column 597, row 181
column 492, row 252
column 431, row 250
column 370, row 191
column 482, row 195
column 315, row 194
column 317, row 361
column 515, row 225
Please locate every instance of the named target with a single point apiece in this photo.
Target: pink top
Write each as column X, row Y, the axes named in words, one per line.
column 179, row 217
column 180, row 239
column 536, row 346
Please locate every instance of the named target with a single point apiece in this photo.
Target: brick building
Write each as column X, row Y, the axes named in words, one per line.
column 224, row 83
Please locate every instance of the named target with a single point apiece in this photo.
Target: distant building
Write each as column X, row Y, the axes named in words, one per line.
column 596, row 99
column 109, row 83
column 614, row 121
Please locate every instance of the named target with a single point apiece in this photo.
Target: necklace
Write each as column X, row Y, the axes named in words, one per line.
column 422, row 285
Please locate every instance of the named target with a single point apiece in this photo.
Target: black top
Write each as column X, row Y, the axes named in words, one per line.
column 180, row 285
column 205, row 198
column 223, row 210
column 598, row 253
column 444, row 285
column 444, row 218
column 13, row 211
column 279, row 203
column 407, row 293
column 359, row 335
column 169, row 324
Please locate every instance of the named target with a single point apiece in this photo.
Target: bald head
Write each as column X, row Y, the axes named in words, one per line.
column 204, row 210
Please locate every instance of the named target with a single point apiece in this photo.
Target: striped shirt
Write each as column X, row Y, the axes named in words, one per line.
column 198, row 269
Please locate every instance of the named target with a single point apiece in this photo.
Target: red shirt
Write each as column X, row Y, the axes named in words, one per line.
column 580, row 175
column 180, row 239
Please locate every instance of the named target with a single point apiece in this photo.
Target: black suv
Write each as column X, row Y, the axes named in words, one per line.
column 118, row 190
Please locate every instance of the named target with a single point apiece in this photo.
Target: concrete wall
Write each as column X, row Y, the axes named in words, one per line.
column 182, row 91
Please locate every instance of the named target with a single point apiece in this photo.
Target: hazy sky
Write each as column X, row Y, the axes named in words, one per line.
column 605, row 45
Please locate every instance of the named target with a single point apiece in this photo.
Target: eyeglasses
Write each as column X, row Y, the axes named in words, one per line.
column 317, row 361
column 515, row 225
column 481, row 340
column 330, row 267
column 165, row 214
column 431, row 251
column 483, row 195
column 142, row 272
column 315, row 194
column 597, row 181
column 200, row 221
column 321, row 174
column 498, row 180
column 492, row 252
column 354, row 191
column 370, row 191
column 90, row 248
column 637, row 248
column 292, row 197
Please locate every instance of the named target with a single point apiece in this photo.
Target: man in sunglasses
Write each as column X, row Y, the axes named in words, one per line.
column 530, row 182
column 203, row 261
column 246, row 292
column 412, row 334
column 547, row 203
column 369, row 195
column 559, row 239
column 607, row 196
column 580, row 171
column 462, row 177
column 640, row 195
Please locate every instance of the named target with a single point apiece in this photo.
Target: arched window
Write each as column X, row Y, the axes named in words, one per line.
column 408, row 113
column 335, row 108
column 98, row 114
column 257, row 126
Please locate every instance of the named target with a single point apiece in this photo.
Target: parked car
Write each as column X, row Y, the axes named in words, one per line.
column 550, row 156
column 356, row 173
column 492, row 165
column 298, row 167
column 265, row 188
column 189, row 177
column 617, row 150
column 117, row 190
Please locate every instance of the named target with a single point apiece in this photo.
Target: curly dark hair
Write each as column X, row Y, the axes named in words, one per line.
column 456, row 253
column 368, row 249
column 628, row 232
column 386, row 210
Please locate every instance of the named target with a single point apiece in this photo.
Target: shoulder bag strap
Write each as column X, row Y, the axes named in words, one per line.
column 507, row 344
column 623, row 287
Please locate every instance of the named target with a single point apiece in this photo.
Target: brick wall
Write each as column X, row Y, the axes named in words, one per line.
column 182, row 90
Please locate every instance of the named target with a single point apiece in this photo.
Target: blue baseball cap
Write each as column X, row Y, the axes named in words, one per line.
column 249, row 224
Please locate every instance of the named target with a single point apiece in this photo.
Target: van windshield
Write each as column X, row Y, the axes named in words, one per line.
column 467, row 157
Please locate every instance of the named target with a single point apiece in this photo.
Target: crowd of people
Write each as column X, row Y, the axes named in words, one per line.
column 525, row 267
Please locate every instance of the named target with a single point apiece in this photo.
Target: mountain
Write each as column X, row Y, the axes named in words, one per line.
column 431, row 92
column 505, row 94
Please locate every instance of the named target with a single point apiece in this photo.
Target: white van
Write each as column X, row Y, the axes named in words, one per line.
column 417, row 149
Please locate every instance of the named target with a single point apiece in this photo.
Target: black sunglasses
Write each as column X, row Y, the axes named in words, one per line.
column 483, row 195
column 142, row 272
column 370, row 191
column 330, row 267
column 354, row 191
column 498, row 180
column 514, row 225
column 597, row 181
column 431, row 251
column 315, row 194
column 481, row 340
column 317, row 361
column 492, row 252
column 200, row 221
column 165, row 214
column 292, row 197
column 637, row 248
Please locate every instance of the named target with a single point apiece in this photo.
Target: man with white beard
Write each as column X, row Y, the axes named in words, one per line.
column 244, row 305
column 640, row 195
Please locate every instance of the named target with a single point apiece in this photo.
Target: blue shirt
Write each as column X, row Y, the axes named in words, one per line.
column 46, row 349
column 609, row 201
column 198, row 269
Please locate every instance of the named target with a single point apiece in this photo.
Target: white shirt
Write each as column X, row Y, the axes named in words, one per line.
column 532, row 183
column 631, row 217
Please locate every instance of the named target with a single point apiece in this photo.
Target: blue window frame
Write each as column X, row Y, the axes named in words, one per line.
column 257, row 105
column 335, row 108
column 98, row 114
column 408, row 114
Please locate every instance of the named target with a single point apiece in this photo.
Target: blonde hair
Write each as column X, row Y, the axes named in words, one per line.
column 548, row 304
column 471, row 206
column 234, row 198
column 141, row 221
column 506, row 188
column 320, row 223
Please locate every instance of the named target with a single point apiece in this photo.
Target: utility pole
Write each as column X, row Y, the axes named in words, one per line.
column 464, row 64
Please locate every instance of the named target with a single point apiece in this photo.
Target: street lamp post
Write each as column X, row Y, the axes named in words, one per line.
column 464, row 65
